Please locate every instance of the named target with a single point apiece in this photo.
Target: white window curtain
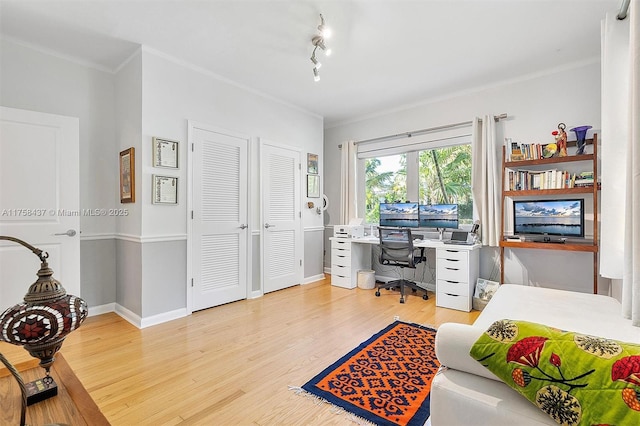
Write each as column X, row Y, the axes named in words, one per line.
column 486, row 178
column 620, row 142
column 347, row 182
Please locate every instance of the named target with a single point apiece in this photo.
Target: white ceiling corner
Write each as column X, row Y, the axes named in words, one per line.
column 387, row 53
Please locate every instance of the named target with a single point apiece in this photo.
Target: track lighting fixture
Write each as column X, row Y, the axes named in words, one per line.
column 317, row 64
column 318, row 42
column 325, row 31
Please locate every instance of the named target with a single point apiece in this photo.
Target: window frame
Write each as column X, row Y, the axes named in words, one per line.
column 413, row 171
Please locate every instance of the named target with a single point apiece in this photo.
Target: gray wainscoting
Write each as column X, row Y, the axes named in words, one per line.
column 98, row 271
column 129, row 275
column 164, row 277
column 313, row 253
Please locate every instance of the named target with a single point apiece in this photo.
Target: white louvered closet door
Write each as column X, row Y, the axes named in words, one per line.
column 281, row 225
column 220, row 218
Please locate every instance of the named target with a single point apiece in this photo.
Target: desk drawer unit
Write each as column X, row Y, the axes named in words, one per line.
column 347, row 259
column 340, row 257
column 456, row 275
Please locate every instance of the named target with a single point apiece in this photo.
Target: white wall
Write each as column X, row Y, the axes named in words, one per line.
column 535, row 105
column 175, row 92
column 38, row 81
column 128, row 108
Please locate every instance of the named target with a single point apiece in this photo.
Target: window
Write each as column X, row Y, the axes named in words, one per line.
column 445, row 178
column 442, row 175
column 385, row 182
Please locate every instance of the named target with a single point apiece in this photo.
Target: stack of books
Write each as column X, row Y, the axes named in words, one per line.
column 584, row 179
column 530, row 151
column 523, row 180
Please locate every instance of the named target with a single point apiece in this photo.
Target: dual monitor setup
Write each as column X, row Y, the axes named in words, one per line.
column 414, row 215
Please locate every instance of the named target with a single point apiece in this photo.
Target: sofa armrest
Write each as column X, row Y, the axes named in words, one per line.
column 453, row 343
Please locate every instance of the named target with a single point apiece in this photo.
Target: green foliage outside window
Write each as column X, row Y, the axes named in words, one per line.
column 383, row 187
column 444, row 178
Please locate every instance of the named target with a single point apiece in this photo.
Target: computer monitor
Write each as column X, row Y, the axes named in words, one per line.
column 549, row 217
column 399, row 215
column 438, row 216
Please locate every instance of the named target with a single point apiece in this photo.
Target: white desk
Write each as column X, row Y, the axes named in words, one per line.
column 457, row 267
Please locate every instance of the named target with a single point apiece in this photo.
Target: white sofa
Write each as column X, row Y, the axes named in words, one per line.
column 465, row 393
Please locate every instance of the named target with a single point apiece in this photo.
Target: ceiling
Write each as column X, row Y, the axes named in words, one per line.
column 387, row 54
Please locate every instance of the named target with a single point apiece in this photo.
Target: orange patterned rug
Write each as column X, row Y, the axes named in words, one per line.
column 385, row 380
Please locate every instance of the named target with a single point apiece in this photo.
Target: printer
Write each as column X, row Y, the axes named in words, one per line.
column 355, row 229
column 348, row 231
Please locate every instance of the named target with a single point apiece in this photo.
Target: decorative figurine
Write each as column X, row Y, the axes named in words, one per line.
column 561, row 139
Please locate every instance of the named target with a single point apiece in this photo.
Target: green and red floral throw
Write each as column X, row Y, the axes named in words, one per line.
column 574, row 378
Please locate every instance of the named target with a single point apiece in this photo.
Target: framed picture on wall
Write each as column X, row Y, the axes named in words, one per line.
column 127, row 176
column 313, row 186
column 165, row 153
column 165, row 189
column 312, row 163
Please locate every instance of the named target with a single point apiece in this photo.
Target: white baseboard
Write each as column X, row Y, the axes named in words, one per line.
column 102, row 309
column 139, row 322
column 126, row 314
column 163, row 317
column 313, row 279
column 255, row 294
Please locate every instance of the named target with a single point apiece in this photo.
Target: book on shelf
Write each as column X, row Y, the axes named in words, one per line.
column 529, row 151
column 527, row 180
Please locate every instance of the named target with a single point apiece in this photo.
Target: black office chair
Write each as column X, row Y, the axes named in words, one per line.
column 396, row 249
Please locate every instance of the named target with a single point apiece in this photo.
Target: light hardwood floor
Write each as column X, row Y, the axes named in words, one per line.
column 232, row 364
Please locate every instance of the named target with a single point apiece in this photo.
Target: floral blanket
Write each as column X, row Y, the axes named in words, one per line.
column 574, row 378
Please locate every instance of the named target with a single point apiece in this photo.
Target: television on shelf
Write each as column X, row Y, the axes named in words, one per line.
column 438, row 216
column 399, row 215
column 564, row 218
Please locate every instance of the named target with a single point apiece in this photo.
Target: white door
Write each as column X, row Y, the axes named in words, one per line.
column 39, row 199
column 281, row 218
column 219, row 233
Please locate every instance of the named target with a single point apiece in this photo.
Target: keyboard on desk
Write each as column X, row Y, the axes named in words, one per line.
column 459, row 243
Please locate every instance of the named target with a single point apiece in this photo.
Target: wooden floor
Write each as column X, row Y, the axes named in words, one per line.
column 232, row 365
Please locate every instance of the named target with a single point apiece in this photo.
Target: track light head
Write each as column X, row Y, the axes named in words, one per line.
column 315, row 61
column 316, row 75
column 325, row 31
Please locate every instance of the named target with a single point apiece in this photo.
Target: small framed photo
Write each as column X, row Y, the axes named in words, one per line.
column 165, row 189
column 313, row 186
column 312, row 163
column 165, row 153
column 127, row 176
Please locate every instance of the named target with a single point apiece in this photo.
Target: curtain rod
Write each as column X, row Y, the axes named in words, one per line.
column 419, row 132
column 624, row 8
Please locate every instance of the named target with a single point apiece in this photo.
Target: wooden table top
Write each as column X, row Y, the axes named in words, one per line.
column 73, row 404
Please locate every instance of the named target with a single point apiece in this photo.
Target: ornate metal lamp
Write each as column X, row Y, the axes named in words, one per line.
column 40, row 324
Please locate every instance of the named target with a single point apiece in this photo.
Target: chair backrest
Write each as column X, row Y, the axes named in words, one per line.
column 396, row 247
